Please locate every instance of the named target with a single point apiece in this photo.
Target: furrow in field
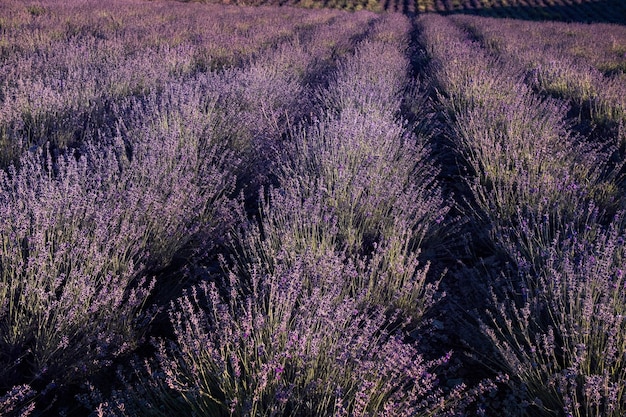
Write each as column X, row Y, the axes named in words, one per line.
column 333, row 252
column 83, row 229
column 252, row 110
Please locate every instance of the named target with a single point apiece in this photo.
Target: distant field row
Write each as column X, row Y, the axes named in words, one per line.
column 608, row 11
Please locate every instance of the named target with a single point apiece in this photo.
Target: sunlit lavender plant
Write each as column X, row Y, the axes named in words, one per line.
column 62, row 273
column 565, row 60
column 370, row 171
column 530, row 170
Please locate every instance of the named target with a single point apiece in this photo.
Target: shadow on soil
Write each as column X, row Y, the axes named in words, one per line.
column 598, row 11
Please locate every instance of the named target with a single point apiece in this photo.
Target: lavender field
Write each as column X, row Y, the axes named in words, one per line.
column 226, row 210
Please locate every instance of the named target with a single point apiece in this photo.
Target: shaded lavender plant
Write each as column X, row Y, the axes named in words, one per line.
column 390, row 272
column 82, row 231
column 562, row 336
column 307, row 324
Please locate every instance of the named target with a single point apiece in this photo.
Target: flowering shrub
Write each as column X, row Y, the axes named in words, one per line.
column 557, row 318
column 294, row 330
column 563, row 337
column 576, row 67
column 82, row 230
column 295, row 345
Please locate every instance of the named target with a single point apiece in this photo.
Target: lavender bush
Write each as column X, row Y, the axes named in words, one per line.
column 62, row 272
column 302, row 348
column 370, row 172
column 282, row 337
column 530, row 170
column 370, row 176
column 550, row 325
column 582, row 66
column 563, row 336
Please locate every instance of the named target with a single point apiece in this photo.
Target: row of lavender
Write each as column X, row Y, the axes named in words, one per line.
column 290, row 161
column 86, row 225
column 586, row 67
column 324, row 293
column 322, row 287
column 64, row 65
column 552, row 209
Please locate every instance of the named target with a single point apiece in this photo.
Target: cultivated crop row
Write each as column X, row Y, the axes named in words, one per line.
column 588, row 73
column 63, row 66
column 88, row 222
column 548, row 201
column 303, row 322
column 321, row 286
column 219, row 210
